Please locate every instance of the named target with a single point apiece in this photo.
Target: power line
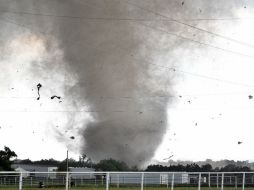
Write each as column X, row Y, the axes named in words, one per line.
column 123, row 18
column 179, row 36
column 191, row 26
column 165, row 18
column 177, row 70
column 198, row 42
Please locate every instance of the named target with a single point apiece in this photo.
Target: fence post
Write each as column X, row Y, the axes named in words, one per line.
column 118, row 180
column 167, row 182
column 222, row 181
column 209, row 180
column 20, row 181
column 142, row 181
column 243, row 180
column 235, row 182
column 172, row 181
column 199, row 181
column 67, row 181
column 217, row 181
column 107, row 181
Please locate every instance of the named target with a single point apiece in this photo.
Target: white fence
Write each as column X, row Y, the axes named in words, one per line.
column 139, row 180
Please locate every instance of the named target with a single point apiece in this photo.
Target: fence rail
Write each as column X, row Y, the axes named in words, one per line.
column 133, row 180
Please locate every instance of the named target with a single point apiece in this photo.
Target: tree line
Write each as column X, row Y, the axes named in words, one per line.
column 7, row 158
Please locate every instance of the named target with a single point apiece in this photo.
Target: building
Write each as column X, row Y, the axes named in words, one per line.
column 30, row 170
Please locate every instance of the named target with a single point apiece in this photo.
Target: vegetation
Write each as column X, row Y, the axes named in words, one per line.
column 7, row 155
column 5, row 159
column 196, row 168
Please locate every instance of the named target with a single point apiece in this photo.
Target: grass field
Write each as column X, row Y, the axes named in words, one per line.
column 126, row 188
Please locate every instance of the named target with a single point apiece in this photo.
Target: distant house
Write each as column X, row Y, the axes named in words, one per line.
column 30, row 170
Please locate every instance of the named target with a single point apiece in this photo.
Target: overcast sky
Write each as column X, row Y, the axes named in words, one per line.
column 185, row 82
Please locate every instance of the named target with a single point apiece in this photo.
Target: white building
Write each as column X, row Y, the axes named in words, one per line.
column 34, row 170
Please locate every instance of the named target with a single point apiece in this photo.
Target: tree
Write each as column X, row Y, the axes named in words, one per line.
column 111, row 165
column 206, row 168
column 5, row 159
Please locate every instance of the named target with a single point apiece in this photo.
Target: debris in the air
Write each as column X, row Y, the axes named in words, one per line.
column 38, row 90
column 183, row 3
column 58, row 97
column 180, row 96
column 200, row 10
column 72, row 137
column 196, row 124
column 140, row 112
column 174, row 134
column 239, row 142
column 250, row 96
column 220, row 114
column 60, row 101
column 12, row 88
column 189, row 101
column 245, row 7
column 168, row 157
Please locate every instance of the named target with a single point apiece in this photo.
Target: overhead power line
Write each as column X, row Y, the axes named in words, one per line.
column 175, row 69
column 122, row 18
column 165, row 18
column 191, row 26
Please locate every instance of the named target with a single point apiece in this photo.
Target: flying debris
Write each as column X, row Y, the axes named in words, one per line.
column 168, row 157
column 189, row 101
column 38, row 90
column 245, row 7
column 140, row 112
column 250, row 96
column 196, row 124
column 180, row 96
column 72, row 137
column 58, row 97
column 183, row 3
column 239, row 142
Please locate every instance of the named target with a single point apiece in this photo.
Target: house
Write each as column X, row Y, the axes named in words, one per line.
column 31, row 170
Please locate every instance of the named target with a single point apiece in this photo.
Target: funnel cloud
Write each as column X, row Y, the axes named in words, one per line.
column 121, row 59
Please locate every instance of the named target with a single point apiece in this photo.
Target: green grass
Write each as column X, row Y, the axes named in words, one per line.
column 126, row 188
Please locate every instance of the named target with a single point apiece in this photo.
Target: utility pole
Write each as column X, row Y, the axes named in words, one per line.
column 67, row 172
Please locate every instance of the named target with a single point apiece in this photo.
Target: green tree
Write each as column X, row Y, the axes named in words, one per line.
column 5, row 159
column 111, row 165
